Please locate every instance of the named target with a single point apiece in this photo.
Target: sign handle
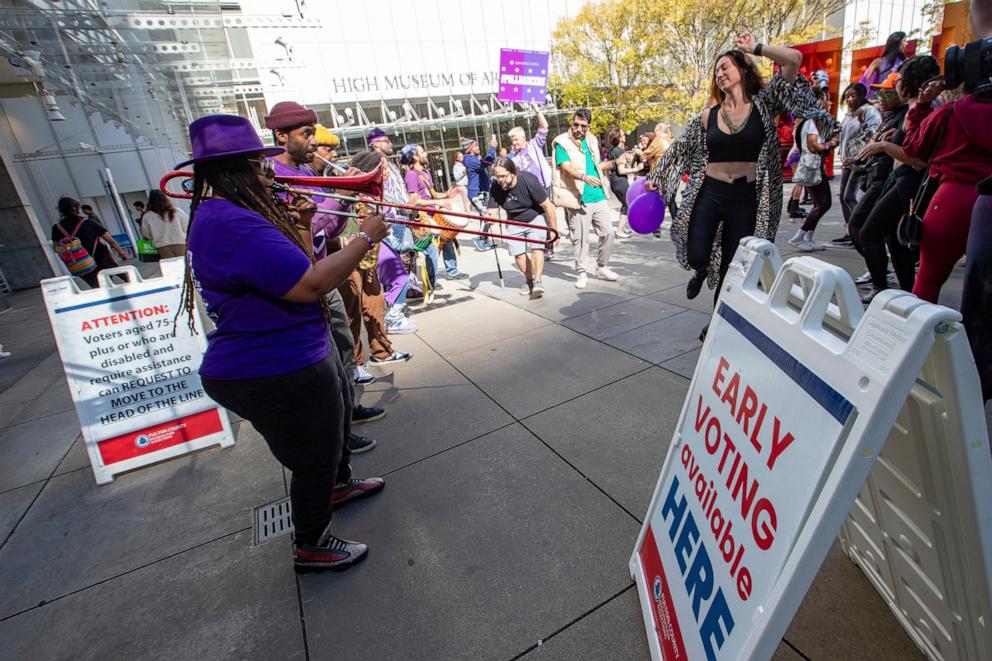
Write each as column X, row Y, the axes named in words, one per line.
column 131, row 273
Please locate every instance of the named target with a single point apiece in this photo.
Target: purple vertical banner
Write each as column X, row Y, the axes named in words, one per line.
column 523, row 75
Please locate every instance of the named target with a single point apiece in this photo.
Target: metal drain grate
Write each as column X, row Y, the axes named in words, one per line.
column 273, row 520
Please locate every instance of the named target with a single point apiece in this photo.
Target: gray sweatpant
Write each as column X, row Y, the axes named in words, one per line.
column 598, row 216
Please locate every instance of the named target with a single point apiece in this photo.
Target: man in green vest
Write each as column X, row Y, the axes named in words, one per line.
column 577, row 186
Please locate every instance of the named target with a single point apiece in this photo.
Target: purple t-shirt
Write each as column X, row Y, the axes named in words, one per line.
column 420, row 182
column 242, row 266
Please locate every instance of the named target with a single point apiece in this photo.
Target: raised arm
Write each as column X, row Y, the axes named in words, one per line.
column 788, row 59
column 542, row 121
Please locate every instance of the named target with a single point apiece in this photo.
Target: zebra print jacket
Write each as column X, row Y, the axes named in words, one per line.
column 688, row 154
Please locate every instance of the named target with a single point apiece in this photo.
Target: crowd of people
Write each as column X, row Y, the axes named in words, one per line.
column 290, row 280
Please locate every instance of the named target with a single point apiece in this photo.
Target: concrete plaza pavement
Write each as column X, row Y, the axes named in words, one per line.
column 520, row 451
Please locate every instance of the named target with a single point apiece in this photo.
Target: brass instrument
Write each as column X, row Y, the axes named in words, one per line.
column 368, row 190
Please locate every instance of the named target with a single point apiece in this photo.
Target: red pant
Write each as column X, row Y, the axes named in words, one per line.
column 945, row 235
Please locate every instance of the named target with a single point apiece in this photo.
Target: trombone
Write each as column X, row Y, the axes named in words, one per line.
column 367, row 188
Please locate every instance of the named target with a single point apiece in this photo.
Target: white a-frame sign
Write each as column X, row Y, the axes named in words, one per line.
column 796, row 390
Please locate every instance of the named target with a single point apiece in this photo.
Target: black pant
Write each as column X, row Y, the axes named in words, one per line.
column 305, row 417
column 976, row 296
column 879, row 231
column 850, row 183
column 734, row 207
column 619, row 186
column 861, row 211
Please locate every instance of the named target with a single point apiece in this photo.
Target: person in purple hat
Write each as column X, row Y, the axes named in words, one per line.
column 250, row 257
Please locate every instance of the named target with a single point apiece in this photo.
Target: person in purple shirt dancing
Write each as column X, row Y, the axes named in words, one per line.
column 250, row 257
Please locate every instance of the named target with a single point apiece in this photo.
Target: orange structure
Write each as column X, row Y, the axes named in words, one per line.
column 954, row 30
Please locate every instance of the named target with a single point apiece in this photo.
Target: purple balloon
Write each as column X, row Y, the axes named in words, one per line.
column 636, row 189
column 647, row 213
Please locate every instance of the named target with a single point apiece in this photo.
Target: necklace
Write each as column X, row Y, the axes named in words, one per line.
column 733, row 127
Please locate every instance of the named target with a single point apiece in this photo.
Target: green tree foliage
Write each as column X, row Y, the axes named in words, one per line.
column 641, row 60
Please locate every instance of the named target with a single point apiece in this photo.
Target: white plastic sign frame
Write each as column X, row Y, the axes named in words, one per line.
column 791, row 415
column 135, row 387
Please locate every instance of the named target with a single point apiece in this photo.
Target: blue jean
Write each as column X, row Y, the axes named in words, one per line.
column 450, row 261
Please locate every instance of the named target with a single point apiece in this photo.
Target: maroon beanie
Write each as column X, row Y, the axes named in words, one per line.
column 288, row 115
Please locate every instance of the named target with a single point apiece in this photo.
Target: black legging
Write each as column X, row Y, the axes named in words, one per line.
column 861, row 211
column 619, row 186
column 735, row 207
column 879, row 231
column 305, row 418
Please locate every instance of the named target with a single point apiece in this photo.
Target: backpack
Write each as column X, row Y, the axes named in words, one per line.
column 70, row 250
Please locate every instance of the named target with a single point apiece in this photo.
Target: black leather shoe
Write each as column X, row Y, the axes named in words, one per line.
column 695, row 285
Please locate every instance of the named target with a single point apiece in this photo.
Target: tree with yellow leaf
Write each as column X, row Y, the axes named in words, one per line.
column 641, row 60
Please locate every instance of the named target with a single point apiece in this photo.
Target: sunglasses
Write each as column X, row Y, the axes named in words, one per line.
column 263, row 166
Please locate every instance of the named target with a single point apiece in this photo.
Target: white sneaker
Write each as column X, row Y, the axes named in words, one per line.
column 796, row 243
column 524, row 289
column 582, row 281
column 806, row 246
column 604, row 273
column 621, row 235
column 816, row 245
column 863, row 279
column 362, row 376
column 401, row 326
column 538, row 290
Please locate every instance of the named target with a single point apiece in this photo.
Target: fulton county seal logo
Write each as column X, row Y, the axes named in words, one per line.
column 657, row 588
column 141, row 441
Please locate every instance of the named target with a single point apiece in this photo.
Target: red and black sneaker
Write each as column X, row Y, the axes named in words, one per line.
column 335, row 555
column 355, row 489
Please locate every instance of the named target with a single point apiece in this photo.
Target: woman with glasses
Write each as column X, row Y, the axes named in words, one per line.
column 731, row 153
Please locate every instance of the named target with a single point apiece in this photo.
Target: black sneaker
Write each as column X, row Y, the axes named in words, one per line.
column 359, row 444
column 335, row 555
column 355, row 489
column 846, row 239
column 695, row 285
column 702, row 333
column 361, row 414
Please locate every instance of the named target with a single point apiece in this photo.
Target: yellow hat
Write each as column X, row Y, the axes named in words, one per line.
column 325, row 138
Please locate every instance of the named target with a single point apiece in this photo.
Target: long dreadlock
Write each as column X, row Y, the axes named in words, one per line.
column 235, row 180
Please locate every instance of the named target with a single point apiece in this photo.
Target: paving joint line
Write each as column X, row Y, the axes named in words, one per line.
column 601, row 341
column 577, row 470
column 303, row 617
column 27, row 509
column 795, row 649
column 589, row 612
column 46, row 602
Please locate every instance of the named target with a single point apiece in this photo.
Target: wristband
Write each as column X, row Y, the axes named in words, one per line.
column 367, row 238
column 757, row 48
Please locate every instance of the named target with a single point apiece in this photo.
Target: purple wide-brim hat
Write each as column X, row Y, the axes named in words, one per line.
column 222, row 136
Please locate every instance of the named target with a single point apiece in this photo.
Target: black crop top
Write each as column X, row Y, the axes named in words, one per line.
column 743, row 146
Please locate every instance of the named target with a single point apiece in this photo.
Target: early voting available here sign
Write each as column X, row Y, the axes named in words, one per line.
column 523, row 76
column 135, row 386
column 743, row 475
column 782, row 423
